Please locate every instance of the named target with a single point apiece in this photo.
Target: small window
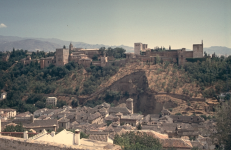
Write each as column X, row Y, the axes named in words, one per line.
column 48, row 62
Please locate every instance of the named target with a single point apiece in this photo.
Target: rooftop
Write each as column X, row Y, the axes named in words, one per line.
column 119, row 109
column 41, row 123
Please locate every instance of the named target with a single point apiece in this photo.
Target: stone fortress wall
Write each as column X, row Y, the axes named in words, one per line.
column 83, row 56
column 172, row 55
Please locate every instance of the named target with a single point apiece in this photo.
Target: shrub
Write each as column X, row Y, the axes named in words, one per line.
column 139, row 140
column 108, row 122
column 139, row 127
column 204, row 116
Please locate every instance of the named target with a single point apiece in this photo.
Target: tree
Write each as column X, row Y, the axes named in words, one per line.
column 74, row 103
column 205, row 54
column 61, row 103
column 139, row 127
column 137, row 141
column 158, row 59
column 227, row 97
column 102, row 51
column 95, row 57
column 11, row 128
column 84, row 135
column 223, row 128
column 40, row 104
column 108, row 122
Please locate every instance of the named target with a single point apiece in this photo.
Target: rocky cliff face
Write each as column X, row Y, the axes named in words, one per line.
column 136, row 85
column 149, row 102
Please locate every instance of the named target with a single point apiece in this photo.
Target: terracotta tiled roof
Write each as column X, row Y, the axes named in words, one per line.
column 94, row 116
column 156, row 134
column 98, row 137
column 124, row 111
column 176, row 143
column 132, row 116
column 64, row 120
column 109, row 129
column 42, row 123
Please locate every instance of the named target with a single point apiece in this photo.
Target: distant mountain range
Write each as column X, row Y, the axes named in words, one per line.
column 7, row 43
column 218, row 50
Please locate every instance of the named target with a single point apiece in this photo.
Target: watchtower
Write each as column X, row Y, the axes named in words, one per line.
column 103, row 61
column 144, row 46
column 129, row 104
column 137, row 48
column 62, row 56
column 71, row 47
column 198, row 50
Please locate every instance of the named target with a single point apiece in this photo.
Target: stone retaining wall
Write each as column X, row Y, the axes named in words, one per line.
column 9, row 143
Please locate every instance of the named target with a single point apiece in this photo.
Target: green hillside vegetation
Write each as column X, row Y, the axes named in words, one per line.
column 212, row 75
column 137, row 141
column 26, row 85
column 30, row 80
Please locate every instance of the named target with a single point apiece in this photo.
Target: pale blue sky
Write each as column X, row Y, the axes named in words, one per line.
column 178, row 23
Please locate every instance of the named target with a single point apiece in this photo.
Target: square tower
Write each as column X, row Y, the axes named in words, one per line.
column 144, row 46
column 198, row 50
column 137, row 48
column 129, row 104
column 62, row 56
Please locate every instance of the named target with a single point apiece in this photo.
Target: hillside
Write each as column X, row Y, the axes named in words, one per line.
column 152, row 86
column 153, row 95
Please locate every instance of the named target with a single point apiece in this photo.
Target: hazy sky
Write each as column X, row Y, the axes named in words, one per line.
column 179, row 23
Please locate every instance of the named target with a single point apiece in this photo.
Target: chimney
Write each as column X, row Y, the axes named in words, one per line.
column 54, row 127
column 25, row 135
column 77, row 137
column 53, row 133
column 32, row 118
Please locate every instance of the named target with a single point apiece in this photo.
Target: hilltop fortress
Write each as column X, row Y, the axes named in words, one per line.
column 78, row 55
column 179, row 56
column 141, row 53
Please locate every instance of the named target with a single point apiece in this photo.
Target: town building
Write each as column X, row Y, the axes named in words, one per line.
column 64, row 123
column 7, row 113
column 3, row 95
column 51, row 101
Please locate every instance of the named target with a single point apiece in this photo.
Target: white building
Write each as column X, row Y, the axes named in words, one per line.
column 3, row 96
column 69, row 138
column 51, row 101
column 8, row 113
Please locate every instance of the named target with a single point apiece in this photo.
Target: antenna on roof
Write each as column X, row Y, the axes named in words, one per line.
column 201, row 41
